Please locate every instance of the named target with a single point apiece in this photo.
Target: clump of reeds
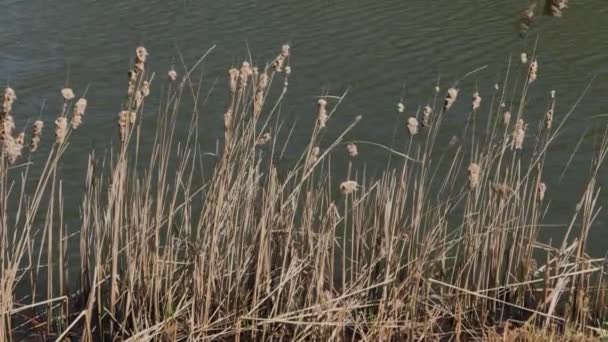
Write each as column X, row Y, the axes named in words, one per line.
column 261, row 251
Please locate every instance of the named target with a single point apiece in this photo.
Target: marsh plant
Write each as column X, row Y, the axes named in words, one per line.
column 443, row 245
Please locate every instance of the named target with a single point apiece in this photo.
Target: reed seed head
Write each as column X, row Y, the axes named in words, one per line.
column 36, row 135
column 553, row 94
column 80, row 106
column 412, row 125
column 228, row 119
column 172, row 74
column 352, row 150
column 61, row 129
column 506, row 118
column 8, row 125
column 542, row 188
column 474, row 170
column 519, row 134
column 427, row 112
column 549, row 118
column 234, row 77
column 145, row 88
column 450, row 98
column 67, row 93
column 263, row 81
column 476, row 102
column 9, row 98
column 264, row 139
column 348, row 187
column 12, row 148
column 400, row 107
column 524, row 58
column 322, row 116
column 316, row 151
column 141, row 54
column 123, row 124
column 20, row 139
column 533, row 71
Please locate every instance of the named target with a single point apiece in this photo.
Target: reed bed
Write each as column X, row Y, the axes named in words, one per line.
column 443, row 246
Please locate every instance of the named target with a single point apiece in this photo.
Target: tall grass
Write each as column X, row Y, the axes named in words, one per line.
column 444, row 246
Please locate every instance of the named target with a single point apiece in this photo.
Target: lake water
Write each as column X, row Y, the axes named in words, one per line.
column 379, row 50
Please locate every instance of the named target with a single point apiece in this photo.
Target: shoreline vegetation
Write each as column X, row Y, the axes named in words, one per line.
column 443, row 246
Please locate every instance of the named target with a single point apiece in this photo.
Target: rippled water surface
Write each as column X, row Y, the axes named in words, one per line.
column 379, row 50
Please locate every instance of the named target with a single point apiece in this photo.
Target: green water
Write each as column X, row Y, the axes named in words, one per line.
column 379, row 50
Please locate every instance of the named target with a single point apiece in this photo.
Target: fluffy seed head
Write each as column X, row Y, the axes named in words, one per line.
column 234, row 77
column 412, row 125
column 426, row 115
column 141, row 54
column 450, row 98
column 67, row 94
column 524, row 58
column 314, row 154
column 263, row 81
column 519, row 134
column 123, row 124
column 80, row 106
column 474, row 171
column 506, row 118
column 36, row 134
column 352, row 150
column 542, row 188
column 12, row 148
column 348, row 187
column 264, row 139
column 8, row 125
column 400, row 107
column 172, row 74
column 533, row 71
column 322, row 116
column 61, row 129
column 476, row 102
